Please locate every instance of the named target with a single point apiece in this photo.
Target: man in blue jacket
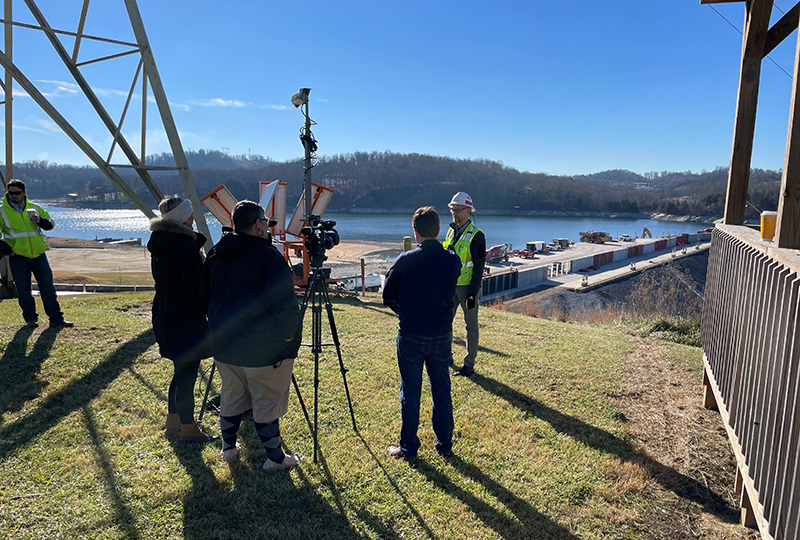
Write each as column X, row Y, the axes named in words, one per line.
column 255, row 325
column 420, row 287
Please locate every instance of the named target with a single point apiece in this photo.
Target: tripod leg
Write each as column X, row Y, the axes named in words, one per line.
column 302, row 404
column 208, row 389
column 342, row 369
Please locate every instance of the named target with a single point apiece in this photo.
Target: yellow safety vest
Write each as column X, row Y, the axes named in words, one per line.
column 461, row 249
column 24, row 237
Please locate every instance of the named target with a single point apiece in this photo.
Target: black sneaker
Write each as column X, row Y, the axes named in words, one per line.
column 464, row 372
column 33, row 324
column 62, row 324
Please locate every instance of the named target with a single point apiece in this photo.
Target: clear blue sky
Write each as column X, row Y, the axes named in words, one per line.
column 569, row 87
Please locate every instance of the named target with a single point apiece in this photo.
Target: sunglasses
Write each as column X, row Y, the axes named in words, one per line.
column 16, row 192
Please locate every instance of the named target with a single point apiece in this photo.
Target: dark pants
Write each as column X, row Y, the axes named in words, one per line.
column 181, row 388
column 435, row 354
column 21, row 269
column 470, row 320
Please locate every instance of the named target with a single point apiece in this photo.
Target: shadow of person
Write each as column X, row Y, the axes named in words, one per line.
column 124, row 519
column 262, row 504
column 606, row 442
column 527, row 522
column 19, row 369
column 59, row 404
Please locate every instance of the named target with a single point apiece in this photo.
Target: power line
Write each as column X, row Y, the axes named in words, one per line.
column 741, row 34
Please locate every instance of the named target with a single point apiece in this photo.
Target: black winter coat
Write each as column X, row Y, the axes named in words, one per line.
column 179, row 321
column 253, row 312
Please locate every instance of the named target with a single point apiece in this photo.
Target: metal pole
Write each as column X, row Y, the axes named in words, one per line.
column 307, row 168
column 171, row 130
column 9, row 96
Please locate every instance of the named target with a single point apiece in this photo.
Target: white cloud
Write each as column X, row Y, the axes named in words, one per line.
column 57, row 88
column 275, row 107
column 219, row 102
column 105, row 92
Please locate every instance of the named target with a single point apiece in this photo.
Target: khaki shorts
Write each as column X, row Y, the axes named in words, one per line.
column 263, row 389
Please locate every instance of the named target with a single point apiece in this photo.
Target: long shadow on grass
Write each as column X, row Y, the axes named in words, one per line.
column 529, row 522
column 18, row 370
column 261, row 504
column 123, row 519
column 377, row 526
column 682, row 485
column 74, row 396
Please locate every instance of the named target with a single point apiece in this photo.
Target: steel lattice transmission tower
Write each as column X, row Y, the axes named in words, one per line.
column 145, row 77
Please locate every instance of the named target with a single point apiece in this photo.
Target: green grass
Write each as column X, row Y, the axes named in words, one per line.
column 110, row 278
column 540, row 451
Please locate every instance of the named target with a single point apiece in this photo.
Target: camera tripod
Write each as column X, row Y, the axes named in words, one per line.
column 316, row 294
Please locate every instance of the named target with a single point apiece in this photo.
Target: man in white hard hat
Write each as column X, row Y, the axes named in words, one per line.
column 469, row 243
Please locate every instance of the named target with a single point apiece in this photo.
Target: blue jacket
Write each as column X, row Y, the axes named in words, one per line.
column 420, row 287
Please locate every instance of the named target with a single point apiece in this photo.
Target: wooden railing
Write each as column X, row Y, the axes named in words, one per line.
column 751, row 351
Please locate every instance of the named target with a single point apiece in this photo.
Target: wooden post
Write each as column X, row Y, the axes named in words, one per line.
column 757, row 14
column 709, row 401
column 787, row 228
column 748, row 516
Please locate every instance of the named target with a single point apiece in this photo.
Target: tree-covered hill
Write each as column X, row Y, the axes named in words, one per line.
column 393, row 181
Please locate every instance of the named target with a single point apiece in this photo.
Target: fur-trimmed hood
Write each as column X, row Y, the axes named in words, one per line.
column 158, row 224
column 171, row 240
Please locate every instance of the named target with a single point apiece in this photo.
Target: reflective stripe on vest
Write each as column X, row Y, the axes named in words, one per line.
column 33, row 243
column 461, row 248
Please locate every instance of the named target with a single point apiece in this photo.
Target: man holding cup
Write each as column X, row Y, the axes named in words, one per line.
column 22, row 223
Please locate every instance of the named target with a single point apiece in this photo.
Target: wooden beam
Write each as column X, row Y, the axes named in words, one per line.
column 787, row 228
column 757, row 14
column 782, row 29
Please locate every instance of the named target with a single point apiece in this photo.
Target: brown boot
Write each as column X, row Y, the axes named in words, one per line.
column 191, row 433
column 173, row 426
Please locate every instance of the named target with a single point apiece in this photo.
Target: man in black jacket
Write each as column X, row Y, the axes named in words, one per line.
column 255, row 324
column 420, row 287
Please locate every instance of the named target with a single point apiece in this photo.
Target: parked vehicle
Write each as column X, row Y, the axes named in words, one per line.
column 537, row 246
column 708, row 229
column 553, row 247
column 624, row 238
column 498, row 253
column 596, row 237
column 563, row 242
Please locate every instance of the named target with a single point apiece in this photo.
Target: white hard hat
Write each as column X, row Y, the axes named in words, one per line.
column 462, row 199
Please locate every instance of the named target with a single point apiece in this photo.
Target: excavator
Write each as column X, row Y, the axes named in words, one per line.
column 646, row 231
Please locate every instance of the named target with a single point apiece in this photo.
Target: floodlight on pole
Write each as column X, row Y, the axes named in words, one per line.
column 300, row 99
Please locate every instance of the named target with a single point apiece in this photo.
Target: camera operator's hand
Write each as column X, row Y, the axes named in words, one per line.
column 471, row 301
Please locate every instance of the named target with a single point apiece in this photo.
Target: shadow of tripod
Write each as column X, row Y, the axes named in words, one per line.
column 316, row 294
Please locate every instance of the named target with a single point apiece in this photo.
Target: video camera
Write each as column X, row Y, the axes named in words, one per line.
column 320, row 236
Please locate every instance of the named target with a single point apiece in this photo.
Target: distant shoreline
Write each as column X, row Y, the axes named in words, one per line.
column 96, row 205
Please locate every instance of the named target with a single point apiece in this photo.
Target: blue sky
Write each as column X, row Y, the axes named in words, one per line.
column 570, row 87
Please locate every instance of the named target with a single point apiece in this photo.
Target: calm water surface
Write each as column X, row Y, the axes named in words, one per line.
column 516, row 230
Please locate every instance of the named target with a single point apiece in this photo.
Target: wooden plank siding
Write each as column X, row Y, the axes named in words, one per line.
column 751, row 318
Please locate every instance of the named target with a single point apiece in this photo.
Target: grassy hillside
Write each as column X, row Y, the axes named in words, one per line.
column 548, row 441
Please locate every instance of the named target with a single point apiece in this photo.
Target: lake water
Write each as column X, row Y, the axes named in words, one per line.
column 516, row 230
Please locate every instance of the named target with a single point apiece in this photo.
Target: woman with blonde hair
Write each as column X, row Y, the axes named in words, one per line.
column 179, row 322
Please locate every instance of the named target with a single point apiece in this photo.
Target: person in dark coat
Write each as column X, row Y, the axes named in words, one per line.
column 179, row 322
column 256, row 326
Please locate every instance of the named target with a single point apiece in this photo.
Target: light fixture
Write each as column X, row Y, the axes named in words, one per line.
column 301, row 97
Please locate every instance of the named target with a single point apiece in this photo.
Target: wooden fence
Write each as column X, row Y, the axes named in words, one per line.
column 752, row 371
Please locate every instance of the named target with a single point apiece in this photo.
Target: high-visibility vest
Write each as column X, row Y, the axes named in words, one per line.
column 24, row 237
column 461, row 248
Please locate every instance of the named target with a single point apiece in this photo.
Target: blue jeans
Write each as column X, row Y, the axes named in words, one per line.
column 435, row 353
column 21, row 269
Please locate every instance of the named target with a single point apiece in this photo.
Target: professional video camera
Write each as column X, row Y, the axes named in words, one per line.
column 320, row 236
